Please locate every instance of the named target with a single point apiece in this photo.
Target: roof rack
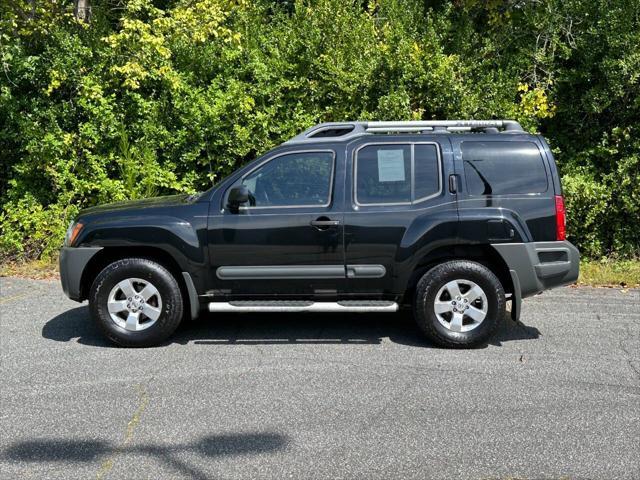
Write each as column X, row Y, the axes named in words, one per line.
column 344, row 130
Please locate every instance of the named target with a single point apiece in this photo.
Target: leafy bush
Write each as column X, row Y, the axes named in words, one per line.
column 159, row 96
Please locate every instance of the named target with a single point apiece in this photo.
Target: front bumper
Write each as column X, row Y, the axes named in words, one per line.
column 73, row 262
column 539, row 266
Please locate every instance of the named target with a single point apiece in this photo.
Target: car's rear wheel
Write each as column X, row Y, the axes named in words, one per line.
column 459, row 304
column 136, row 302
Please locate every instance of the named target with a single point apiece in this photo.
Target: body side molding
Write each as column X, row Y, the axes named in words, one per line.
column 280, row 272
column 288, row 272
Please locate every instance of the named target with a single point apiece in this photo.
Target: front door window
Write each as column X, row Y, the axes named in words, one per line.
column 292, row 180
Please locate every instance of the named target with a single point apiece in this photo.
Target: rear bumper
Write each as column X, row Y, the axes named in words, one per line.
column 539, row 266
column 72, row 264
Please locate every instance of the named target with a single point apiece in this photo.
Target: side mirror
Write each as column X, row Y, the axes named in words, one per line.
column 237, row 196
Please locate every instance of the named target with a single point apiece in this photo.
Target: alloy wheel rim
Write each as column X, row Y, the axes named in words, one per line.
column 461, row 305
column 134, row 304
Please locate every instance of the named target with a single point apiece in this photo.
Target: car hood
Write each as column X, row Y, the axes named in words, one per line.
column 155, row 202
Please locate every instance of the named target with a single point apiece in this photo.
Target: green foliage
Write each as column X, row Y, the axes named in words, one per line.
column 161, row 96
column 32, row 226
column 610, row 272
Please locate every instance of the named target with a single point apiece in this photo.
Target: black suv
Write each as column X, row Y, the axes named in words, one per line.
column 452, row 218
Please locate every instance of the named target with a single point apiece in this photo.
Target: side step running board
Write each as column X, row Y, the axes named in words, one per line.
column 302, row 306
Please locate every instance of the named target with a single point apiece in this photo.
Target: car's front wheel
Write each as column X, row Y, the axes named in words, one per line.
column 459, row 304
column 136, row 302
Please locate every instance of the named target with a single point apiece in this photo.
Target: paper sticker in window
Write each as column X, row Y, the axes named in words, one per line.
column 391, row 165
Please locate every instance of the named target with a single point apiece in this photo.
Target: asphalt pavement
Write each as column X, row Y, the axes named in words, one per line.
column 353, row 396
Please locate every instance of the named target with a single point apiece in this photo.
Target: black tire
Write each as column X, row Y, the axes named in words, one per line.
column 171, row 310
column 435, row 279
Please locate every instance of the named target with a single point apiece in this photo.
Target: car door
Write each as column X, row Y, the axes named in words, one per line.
column 288, row 242
column 398, row 208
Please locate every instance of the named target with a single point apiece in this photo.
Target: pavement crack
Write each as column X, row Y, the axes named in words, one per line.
column 628, row 355
column 143, row 401
column 634, row 368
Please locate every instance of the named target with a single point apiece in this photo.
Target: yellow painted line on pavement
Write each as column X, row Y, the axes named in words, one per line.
column 108, row 464
column 11, row 298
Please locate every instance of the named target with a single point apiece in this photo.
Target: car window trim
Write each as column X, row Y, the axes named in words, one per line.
column 282, row 154
column 413, row 177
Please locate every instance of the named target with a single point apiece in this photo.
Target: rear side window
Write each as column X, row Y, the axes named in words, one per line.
column 384, row 174
column 426, row 171
column 502, row 168
column 397, row 173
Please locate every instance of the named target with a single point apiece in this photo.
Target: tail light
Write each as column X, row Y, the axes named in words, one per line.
column 561, row 219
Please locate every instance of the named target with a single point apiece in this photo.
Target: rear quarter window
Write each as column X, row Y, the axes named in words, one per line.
column 503, row 168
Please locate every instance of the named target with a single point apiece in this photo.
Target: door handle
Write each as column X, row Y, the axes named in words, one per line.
column 325, row 223
column 453, row 183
